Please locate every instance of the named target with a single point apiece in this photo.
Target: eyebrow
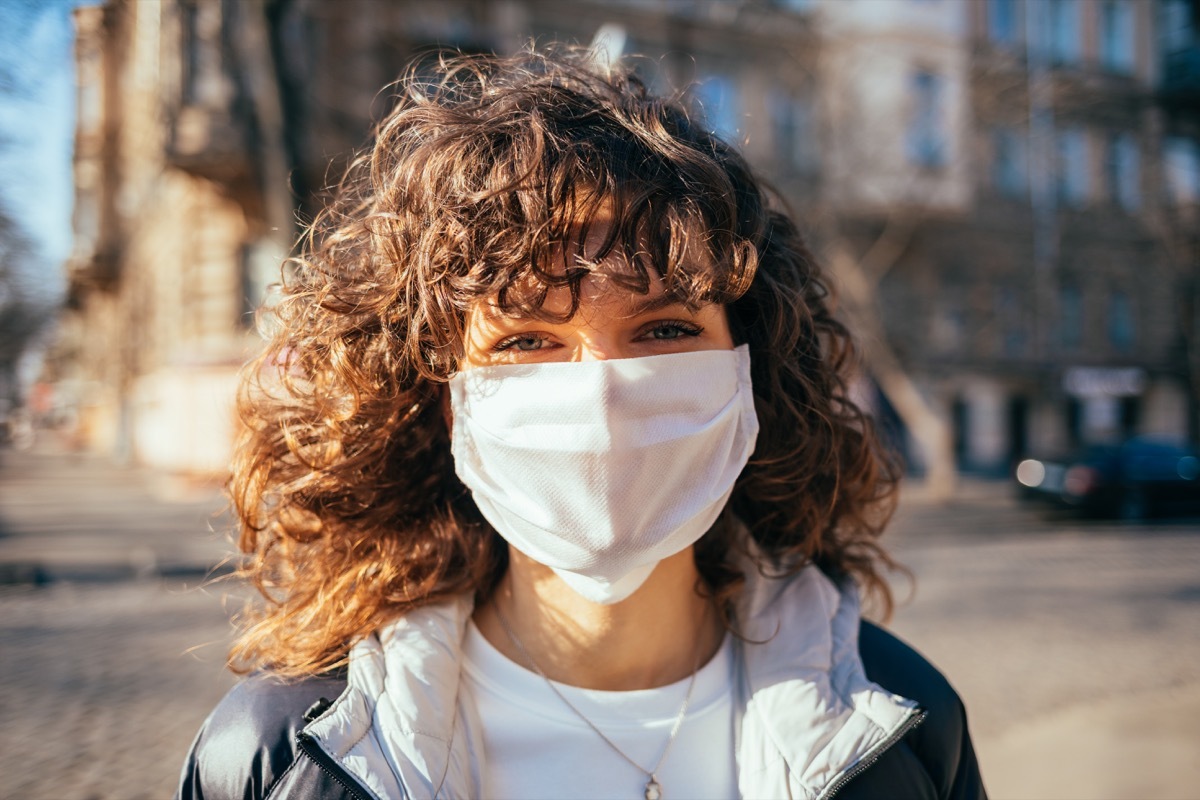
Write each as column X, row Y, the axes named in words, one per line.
column 646, row 305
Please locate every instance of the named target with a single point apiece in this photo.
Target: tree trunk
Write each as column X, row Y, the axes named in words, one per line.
column 927, row 427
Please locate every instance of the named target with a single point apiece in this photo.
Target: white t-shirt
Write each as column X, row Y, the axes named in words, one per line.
column 537, row 747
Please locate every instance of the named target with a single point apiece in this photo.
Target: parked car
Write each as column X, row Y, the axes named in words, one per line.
column 1135, row 479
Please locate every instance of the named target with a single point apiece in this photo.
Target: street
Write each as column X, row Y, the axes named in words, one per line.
column 1076, row 645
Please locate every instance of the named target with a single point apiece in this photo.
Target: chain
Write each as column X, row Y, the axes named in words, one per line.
column 653, row 788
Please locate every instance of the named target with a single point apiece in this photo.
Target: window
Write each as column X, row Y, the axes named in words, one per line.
column 1117, row 36
column 1124, row 171
column 1011, row 321
column 1064, row 31
column 1009, row 162
column 1002, row 21
column 948, row 328
column 87, row 225
column 718, row 99
column 1177, row 29
column 189, row 22
column 1121, row 331
column 1070, row 317
column 1072, row 177
column 1181, row 157
column 792, row 129
column 926, row 138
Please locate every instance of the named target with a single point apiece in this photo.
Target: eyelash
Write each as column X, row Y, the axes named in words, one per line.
column 511, row 342
column 684, row 329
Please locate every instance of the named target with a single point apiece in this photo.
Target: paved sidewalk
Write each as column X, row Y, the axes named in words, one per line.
column 1140, row 745
column 111, row 653
column 103, row 686
column 77, row 517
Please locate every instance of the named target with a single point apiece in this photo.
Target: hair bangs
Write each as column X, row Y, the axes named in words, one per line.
column 605, row 206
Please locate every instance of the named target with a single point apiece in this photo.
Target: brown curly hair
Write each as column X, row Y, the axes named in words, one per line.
column 483, row 173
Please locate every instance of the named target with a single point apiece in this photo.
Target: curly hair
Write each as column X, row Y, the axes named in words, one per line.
column 480, row 177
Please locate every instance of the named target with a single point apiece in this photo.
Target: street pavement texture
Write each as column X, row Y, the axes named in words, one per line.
column 1075, row 646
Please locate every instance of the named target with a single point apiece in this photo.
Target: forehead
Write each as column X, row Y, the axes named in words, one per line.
column 596, row 293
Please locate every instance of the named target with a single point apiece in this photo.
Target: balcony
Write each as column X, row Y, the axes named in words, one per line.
column 209, row 118
column 209, row 141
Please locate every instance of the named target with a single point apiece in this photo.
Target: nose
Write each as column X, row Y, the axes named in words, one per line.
column 598, row 346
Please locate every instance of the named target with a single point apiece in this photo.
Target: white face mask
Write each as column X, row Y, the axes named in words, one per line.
column 601, row 469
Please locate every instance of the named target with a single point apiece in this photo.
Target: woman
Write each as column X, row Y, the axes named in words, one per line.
column 551, row 483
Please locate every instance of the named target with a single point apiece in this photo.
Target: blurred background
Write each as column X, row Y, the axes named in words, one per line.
column 1006, row 193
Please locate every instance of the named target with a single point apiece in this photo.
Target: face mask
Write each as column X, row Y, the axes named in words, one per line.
column 601, row 469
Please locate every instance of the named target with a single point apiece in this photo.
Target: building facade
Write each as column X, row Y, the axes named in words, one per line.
column 173, row 232
column 1006, row 190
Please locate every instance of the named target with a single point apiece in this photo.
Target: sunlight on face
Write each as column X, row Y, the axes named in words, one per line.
column 610, row 322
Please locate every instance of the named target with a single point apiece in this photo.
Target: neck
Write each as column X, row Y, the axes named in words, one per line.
column 658, row 635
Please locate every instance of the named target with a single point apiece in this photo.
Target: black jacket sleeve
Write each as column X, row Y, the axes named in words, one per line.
column 939, row 751
column 249, row 742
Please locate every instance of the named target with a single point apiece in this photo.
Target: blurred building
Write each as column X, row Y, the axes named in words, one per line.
column 172, row 225
column 1007, row 189
column 1065, row 305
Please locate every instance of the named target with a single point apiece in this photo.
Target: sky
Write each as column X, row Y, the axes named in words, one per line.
column 37, row 119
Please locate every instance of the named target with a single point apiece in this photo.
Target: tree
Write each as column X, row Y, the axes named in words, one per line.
column 882, row 176
column 858, row 277
column 20, row 319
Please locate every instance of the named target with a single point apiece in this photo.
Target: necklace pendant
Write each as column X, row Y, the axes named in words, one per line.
column 653, row 790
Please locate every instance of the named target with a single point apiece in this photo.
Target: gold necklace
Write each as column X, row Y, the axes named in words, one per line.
column 654, row 790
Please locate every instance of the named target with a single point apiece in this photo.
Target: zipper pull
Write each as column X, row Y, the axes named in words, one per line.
column 317, row 709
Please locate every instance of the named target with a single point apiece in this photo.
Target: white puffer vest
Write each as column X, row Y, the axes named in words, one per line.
column 806, row 717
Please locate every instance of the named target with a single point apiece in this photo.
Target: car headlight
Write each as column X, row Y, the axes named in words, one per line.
column 1031, row 473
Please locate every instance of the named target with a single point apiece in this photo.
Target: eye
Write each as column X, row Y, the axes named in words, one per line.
column 667, row 330
column 524, row 342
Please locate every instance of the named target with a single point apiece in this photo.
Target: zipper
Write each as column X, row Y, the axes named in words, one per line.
column 871, row 757
column 331, row 768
